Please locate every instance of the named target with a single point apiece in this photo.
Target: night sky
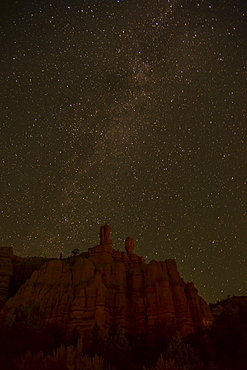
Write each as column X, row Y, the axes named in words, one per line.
column 131, row 113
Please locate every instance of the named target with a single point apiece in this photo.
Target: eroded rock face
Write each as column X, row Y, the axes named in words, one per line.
column 104, row 235
column 147, row 300
column 129, row 245
column 6, row 273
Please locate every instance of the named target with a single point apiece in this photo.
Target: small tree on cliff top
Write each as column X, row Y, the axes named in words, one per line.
column 75, row 251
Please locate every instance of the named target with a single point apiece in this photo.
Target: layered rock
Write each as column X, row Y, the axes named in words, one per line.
column 6, row 273
column 147, row 300
column 23, row 269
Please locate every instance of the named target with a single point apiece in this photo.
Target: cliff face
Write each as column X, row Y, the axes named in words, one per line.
column 6, row 273
column 147, row 300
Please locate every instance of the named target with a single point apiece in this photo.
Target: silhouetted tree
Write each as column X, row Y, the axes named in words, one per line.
column 75, row 251
column 117, row 350
column 228, row 334
column 23, row 329
column 63, row 358
column 185, row 355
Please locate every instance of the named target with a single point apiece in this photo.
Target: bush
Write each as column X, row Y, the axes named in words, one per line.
column 63, row 358
column 116, row 348
column 23, row 330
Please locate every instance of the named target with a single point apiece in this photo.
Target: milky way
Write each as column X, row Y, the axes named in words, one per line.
column 131, row 113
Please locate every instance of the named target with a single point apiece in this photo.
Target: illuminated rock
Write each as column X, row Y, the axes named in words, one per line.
column 148, row 300
column 6, row 273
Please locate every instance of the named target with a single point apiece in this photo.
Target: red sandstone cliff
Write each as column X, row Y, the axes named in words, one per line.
column 6, row 273
column 147, row 300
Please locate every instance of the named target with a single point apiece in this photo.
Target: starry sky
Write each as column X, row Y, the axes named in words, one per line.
column 130, row 112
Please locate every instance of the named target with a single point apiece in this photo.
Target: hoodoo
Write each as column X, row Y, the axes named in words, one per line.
column 148, row 300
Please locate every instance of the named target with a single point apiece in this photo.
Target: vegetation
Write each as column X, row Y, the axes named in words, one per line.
column 63, row 358
column 23, row 330
column 229, row 333
column 181, row 355
column 75, row 251
column 25, row 344
column 116, row 349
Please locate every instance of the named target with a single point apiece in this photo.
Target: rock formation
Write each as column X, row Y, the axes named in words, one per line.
column 129, row 245
column 147, row 300
column 6, row 273
column 104, row 234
